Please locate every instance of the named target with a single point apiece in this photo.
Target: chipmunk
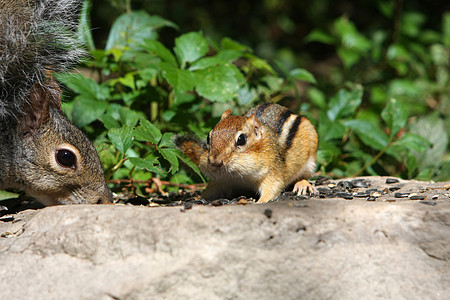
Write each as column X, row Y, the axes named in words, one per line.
column 264, row 151
column 41, row 152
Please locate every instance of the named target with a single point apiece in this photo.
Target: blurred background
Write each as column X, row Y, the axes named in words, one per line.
column 276, row 28
column 373, row 76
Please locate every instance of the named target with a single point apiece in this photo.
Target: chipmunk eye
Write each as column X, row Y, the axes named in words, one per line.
column 66, row 158
column 241, row 140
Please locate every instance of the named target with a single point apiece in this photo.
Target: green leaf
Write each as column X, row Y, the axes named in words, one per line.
column 403, row 87
column 320, row 36
column 167, row 140
column 84, row 86
column 446, row 29
column 344, row 103
column 229, row 55
column 229, row 44
column 109, row 121
column 223, row 57
column 217, row 83
column 317, row 97
column 86, row 111
column 8, row 195
column 189, row 163
column 350, row 37
column 181, row 80
column 147, row 132
column 411, row 23
column 260, row 64
column 131, row 28
column 128, row 116
column 149, row 163
column 159, row 22
column 431, row 128
column 411, row 141
column 206, row 62
column 128, row 81
column 411, row 164
column 349, row 57
column 274, row 83
column 369, row 134
column 386, row 8
column 302, row 74
column 327, row 153
column 121, row 138
column 189, row 47
column 181, row 97
column 246, row 95
column 398, row 52
column 329, row 130
column 171, row 157
column 394, row 115
column 135, row 28
column 159, row 49
column 168, row 115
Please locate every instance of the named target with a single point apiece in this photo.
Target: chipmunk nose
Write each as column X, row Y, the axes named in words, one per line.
column 215, row 162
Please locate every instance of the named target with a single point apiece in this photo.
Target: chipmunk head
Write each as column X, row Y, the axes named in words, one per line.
column 233, row 138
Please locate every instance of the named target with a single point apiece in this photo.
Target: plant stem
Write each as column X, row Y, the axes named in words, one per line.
column 115, row 168
column 373, row 160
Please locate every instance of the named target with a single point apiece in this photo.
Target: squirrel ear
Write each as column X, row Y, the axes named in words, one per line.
column 36, row 110
column 226, row 114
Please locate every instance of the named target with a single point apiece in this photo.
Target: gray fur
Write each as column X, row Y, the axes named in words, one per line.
column 35, row 36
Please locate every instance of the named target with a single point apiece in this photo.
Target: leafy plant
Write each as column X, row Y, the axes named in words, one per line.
column 139, row 92
column 406, row 69
column 146, row 91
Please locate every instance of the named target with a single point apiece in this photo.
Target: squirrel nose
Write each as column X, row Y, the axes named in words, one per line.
column 106, row 197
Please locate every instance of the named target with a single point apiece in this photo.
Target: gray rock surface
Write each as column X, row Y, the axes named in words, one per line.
column 304, row 249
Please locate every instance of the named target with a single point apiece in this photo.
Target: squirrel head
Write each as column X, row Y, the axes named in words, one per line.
column 54, row 161
column 234, row 140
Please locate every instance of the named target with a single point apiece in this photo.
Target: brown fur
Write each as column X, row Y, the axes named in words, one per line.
column 273, row 157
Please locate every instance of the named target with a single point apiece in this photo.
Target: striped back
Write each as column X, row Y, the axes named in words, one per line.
column 284, row 123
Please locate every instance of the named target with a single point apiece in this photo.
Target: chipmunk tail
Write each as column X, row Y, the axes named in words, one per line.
column 192, row 147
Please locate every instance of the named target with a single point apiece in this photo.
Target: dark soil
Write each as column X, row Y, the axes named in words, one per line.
column 384, row 189
column 387, row 189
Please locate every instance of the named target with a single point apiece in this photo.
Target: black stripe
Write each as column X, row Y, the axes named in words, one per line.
column 281, row 119
column 261, row 109
column 293, row 132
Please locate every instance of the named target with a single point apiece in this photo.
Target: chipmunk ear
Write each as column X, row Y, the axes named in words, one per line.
column 226, row 114
column 36, row 110
column 256, row 125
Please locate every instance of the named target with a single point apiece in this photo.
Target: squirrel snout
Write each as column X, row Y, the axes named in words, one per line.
column 106, row 198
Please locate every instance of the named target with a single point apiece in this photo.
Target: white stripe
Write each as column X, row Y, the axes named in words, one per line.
column 286, row 128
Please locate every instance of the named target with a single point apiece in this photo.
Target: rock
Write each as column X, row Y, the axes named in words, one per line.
column 309, row 249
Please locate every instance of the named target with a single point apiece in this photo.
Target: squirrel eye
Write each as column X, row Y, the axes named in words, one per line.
column 66, row 158
column 241, row 140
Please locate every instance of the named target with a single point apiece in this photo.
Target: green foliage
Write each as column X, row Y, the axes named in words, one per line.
column 405, row 72
column 140, row 92
column 146, row 91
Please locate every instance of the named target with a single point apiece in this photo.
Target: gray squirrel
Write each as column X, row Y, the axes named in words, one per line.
column 41, row 152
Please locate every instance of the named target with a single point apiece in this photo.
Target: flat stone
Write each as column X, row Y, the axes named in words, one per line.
column 310, row 249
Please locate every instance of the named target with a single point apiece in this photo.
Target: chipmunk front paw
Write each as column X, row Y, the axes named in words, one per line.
column 303, row 187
